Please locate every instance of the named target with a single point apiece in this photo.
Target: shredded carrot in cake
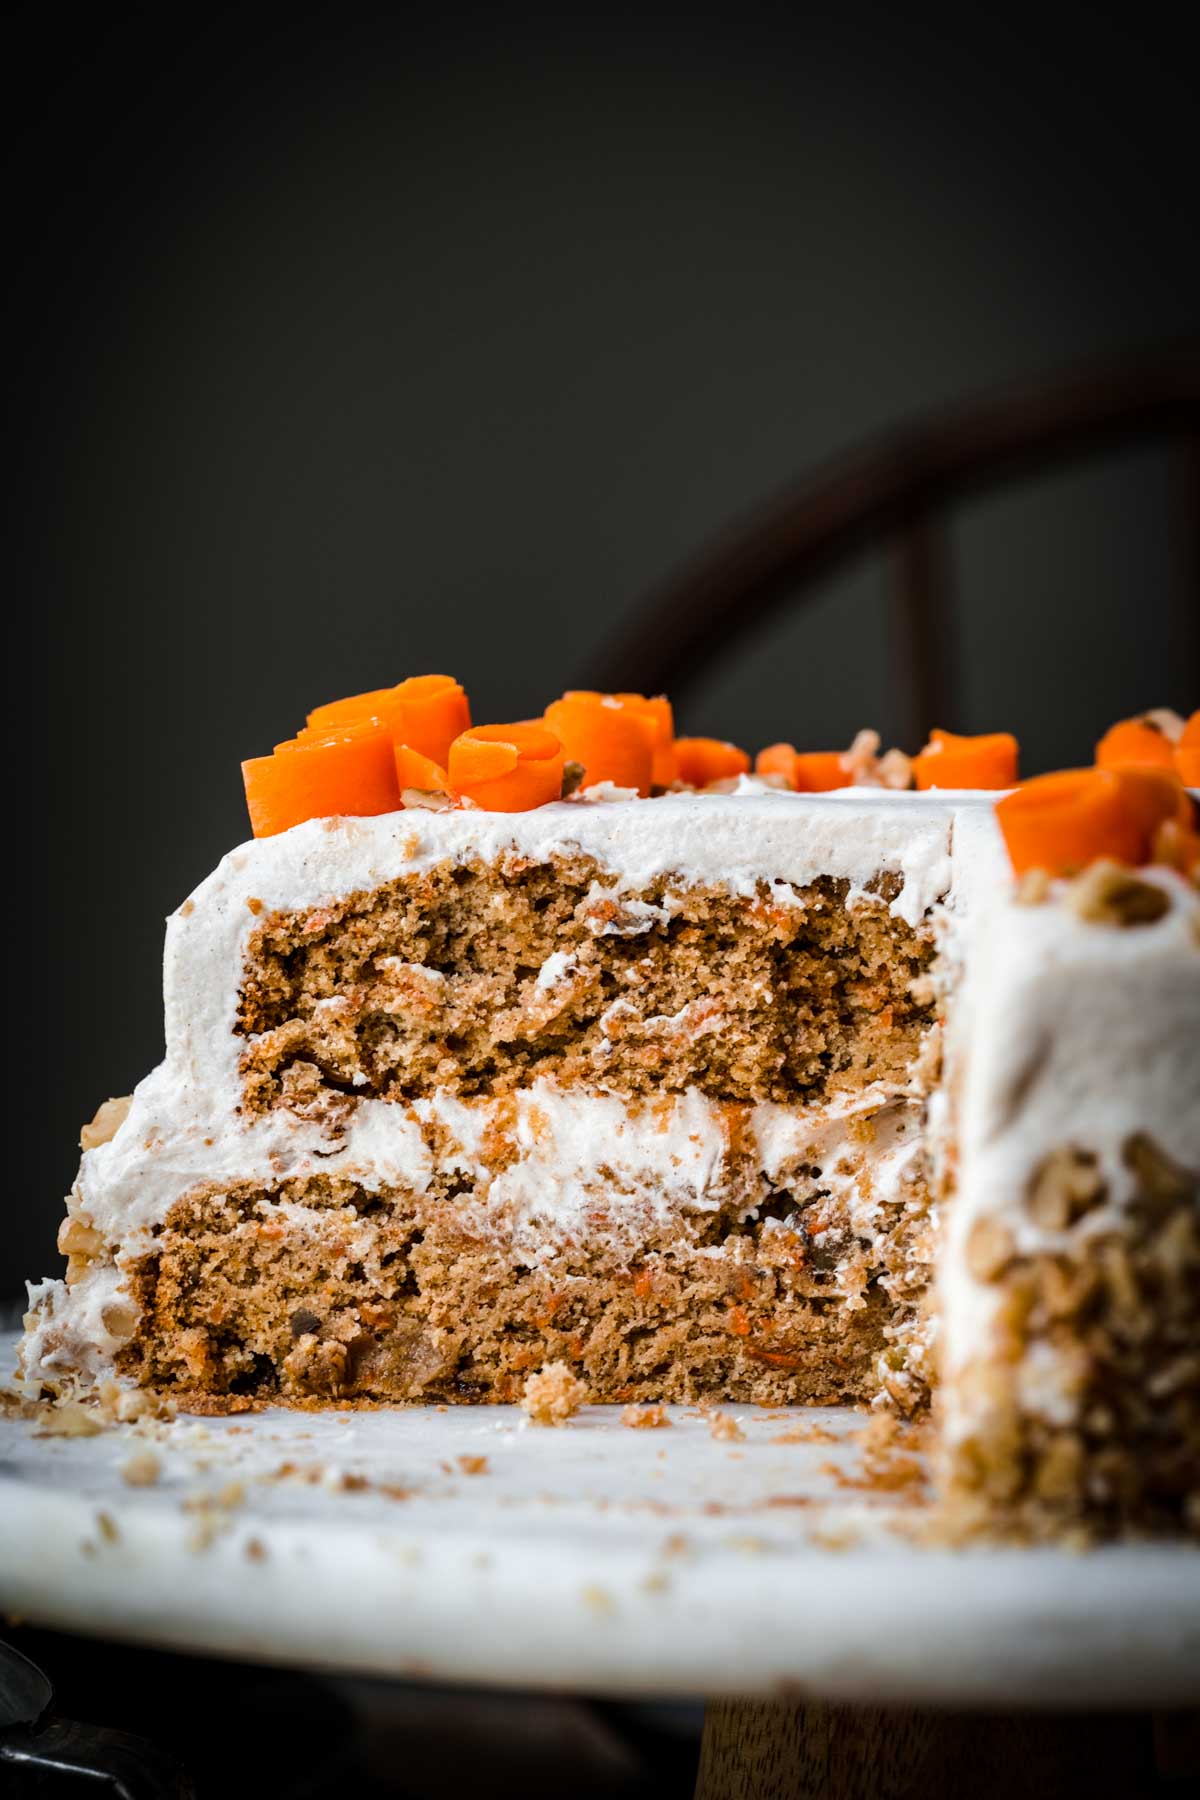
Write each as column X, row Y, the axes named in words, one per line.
column 948, row 761
column 702, row 760
column 612, row 735
column 507, row 768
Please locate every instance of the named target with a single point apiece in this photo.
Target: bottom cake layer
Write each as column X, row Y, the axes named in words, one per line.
column 320, row 1291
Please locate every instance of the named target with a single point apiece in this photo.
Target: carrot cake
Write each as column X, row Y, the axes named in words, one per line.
column 576, row 1043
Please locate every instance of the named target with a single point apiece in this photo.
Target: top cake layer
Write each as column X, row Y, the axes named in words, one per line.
column 626, row 943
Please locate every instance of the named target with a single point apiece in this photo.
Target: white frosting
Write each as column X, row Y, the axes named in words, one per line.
column 1066, row 1034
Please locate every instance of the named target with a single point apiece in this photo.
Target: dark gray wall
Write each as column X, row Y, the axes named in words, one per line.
column 354, row 352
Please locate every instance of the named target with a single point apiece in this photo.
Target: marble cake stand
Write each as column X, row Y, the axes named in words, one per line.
column 463, row 1545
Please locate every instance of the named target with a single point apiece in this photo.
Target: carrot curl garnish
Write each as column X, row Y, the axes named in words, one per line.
column 614, row 740
column 778, row 760
column 1065, row 821
column 807, row 771
column 426, row 712
column 701, row 760
column 421, row 772
column 949, row 761
column 1134, row 742
column 350, row 772
column 656, row 709
column 507, row 768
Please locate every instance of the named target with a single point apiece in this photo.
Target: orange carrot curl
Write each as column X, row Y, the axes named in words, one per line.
column 347, row 772
column 416, row 771
column 426, row 712
column 777, row 759
column 612, row 739
column 703, row 760
column 1156, row 794
column 807, row 771
column 1187, row 753
column 507, row 768
column 657, row 709
column 1065, row 821
column 948, row 761
column 435, row 711
column 1134, row 741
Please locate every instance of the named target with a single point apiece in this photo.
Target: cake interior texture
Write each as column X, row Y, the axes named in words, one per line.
column 483, row 983
column 462, row 1113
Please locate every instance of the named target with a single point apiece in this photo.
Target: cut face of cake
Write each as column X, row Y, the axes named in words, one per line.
column 738, row 1095
column 638, row 1084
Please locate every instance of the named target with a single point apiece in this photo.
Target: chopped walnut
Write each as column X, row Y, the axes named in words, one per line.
column 1158, row 1177
column 867, row 768
column 1109, row 894
column 142, row 1469
column 989, row 1248
column 1064, row 1186
column 107, row 1122
column 316, row 1365
column 119, row 1318
column 572, row 775
column 1033, row 889
column 552, row 1394
column 1058, row 1475
column 894, row 770
column 427, row 800
column 69, row 1419
column 645, row 1418
column 75, row 1238
column 1166, row 720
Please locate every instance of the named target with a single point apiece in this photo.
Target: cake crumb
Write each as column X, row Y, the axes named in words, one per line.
column 552, row 1394
column 142, row 1469
column 724, row 1428
column 806, row 1434
column 645, row 1418
column 473, row 1465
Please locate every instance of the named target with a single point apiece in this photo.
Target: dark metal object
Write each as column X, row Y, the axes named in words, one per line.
column 44, row 1755
column 896, row 488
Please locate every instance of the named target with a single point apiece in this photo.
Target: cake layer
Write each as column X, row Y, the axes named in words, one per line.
column 475, row 978
column 258, row 944
column 807, row 1230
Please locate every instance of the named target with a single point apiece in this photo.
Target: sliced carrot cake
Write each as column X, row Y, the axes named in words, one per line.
column 575, row 1042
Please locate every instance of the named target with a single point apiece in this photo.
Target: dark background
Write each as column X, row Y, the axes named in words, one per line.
column 361, row 348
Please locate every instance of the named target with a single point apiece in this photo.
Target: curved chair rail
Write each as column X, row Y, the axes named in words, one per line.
column 897, row 488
